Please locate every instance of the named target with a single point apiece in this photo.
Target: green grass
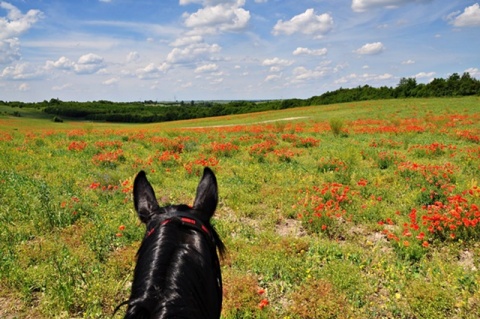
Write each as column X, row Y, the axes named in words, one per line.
column 316, row 224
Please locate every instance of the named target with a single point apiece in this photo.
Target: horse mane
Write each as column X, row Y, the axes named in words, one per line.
column 175, row 261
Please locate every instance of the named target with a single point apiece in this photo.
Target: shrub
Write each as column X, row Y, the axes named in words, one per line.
column 336, row 126
column 319, row 299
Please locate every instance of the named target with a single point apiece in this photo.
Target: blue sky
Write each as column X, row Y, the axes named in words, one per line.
column 130, row 50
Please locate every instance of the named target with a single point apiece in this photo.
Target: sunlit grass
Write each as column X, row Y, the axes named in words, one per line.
column 378, row 222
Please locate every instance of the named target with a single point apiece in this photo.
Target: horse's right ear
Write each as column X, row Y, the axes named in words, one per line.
column 144, row 199
column 207, row 194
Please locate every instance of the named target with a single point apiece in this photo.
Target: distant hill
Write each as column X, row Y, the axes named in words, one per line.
column 151, row 111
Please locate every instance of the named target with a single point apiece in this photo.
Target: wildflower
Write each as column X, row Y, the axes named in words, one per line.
column 77, row 146
column 425, row 244
column 121, row 227
column 362, row 182
column 421, row 236
column 263, row 303
column 94, row 185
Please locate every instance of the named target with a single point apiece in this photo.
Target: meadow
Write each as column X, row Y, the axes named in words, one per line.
column 356, row 210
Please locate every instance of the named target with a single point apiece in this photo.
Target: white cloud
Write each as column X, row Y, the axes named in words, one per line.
column 364, row 5
column 339, row 67
column 301, row 73
column 62, row 63
column 11, row 27
column 24, row 87
column 206, row 68
column 86, row 64
column 474, row 72
column 307, row 23
column 187, row 40
column 186, row 85
column 152, row 70
column 9, row 50
column 212, row 2
column 273, row 77
column 371, row 48
column 62, row 87
column 16, row 23
column 469, row 18
column 276, row 62
column 362, row 79
column 111, row 81
column 346, row 79
column 407, row 62
column 133, row 56
column 221, row 17
column 217, row 81
column 192, row 52
column 306, row 51
column 422, row 75
column 384, row 76
column 149, row 68
column 164, row 67
column 90, row 58
column 21, row 71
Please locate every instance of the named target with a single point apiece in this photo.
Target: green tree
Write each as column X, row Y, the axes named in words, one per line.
column 406, row 87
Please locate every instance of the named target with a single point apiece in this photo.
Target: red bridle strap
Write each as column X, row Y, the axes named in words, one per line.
column 187, row 220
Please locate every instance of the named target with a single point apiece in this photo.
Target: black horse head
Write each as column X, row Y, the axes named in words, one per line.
column 178, row 272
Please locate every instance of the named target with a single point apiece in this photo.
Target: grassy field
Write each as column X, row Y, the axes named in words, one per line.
column 357, row 210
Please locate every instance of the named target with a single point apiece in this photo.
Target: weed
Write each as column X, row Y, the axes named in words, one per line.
column 336, row 126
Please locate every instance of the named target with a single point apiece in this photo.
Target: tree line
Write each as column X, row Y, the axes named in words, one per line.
column 149, row 111
column 454, row 85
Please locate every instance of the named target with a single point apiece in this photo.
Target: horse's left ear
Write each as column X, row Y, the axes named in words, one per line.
column 144, row 199
column 207, row 194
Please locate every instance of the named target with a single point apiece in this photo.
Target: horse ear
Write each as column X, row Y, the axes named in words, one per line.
column 144, row 198
column 206, row 199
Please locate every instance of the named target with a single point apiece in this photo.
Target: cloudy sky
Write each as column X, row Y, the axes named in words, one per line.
column 129, row 50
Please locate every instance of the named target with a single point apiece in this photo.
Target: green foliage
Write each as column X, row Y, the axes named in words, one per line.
column 319, row 299
column 150, row 111
column 336, row 126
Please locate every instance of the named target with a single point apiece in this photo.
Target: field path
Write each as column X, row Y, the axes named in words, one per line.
column 261, row 122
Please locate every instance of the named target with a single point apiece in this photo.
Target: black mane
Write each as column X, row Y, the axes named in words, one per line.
column 177, row 272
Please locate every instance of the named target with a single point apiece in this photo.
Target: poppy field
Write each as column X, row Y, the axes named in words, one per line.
column 357, row 210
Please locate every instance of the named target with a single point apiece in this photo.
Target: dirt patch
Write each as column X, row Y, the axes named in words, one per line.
column 467, row 260
column 376, row 237
column 284, row 119
column 12, row 308
column 261, row 122
column 290, row 227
